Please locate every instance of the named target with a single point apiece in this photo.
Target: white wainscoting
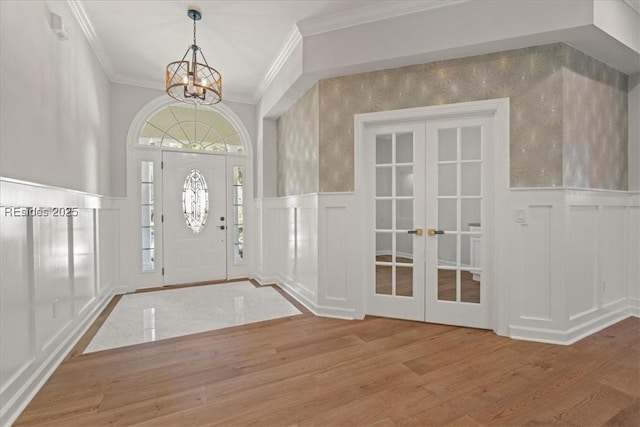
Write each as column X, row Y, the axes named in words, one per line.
column 56, row 275
column 571, row 268
column 307, row 245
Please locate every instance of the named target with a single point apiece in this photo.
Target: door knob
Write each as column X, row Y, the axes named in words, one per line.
column 221, row 227
column 417, row 232
column 433, row 232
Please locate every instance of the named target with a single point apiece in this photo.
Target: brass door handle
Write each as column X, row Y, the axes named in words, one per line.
column 433, row 232
column 417, row 232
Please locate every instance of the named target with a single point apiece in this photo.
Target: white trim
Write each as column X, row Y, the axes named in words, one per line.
column 251, row 228
column 293, row 39
column 85, row 23
column 569, row 336
column 499, row 108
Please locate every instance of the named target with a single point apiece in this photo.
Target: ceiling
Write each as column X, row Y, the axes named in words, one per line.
column 240, row 38
column 243, row 39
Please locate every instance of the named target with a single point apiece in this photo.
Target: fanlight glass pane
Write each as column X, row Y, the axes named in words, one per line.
column 189, row 128
column 195, row 200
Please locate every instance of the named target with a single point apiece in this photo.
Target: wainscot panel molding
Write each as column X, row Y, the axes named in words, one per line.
column 573, row 265
column 59, row 267
column 308, row 246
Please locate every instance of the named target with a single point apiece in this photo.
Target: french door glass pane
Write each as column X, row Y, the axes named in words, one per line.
column 470, row 143
column 404, row 214
column 447, row 214
column 404, row 148
column 447, row 250
column 447, row 180
column 383, row 279
column 384, row 149
column 447, row 144
column 404, row 247
column 404, row 281
column 447, row 289
column 404, row 181
column 383, row 214
column 470, row 215
column 469, row 287
column 383, row 181
column 471, row 179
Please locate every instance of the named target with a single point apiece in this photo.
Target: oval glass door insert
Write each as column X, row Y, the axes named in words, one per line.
column 195, row 200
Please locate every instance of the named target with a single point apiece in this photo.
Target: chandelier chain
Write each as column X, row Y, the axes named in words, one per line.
column 194, row 31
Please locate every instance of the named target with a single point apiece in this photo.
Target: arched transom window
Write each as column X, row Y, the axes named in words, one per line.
column 190, row 128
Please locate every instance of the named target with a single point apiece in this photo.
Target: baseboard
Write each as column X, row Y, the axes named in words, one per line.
column 569, row 336
column 634, row 307
column 293, row 289
column 14, row 406
column 336, row 312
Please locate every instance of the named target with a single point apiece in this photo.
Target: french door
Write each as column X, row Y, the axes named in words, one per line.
column 194, row 224
column 430, row 197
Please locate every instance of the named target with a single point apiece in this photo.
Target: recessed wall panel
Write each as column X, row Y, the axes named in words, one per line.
column 536, row 261
column 582, row 259
column 336, row 256
column 84, row 289
column 16, row 328
column 612, row 250
column 52, row 287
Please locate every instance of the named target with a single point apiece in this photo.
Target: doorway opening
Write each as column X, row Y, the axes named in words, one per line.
column 190, row 186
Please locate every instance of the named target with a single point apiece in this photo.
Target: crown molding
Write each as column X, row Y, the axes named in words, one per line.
column 380, row 12
column 90, row 33
column 283, row 55
column 348, row 19
column 634, row 4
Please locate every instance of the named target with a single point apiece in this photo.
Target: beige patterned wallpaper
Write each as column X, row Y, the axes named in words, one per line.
column 595, row 140
column 298, row 131
column 546, row 85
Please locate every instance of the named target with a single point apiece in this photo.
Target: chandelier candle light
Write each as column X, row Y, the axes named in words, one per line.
column 194, row 82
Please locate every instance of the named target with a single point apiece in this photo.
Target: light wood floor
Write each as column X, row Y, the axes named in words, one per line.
column 311, row 371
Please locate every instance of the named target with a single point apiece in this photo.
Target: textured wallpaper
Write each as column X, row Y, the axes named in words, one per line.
column 563, row 103
column 595, row 124
column 298, row 133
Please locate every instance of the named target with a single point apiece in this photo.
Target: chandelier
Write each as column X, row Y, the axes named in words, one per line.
column 194, row 82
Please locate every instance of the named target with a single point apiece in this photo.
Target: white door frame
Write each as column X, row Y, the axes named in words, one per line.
column 131, row 275
column 499, row 110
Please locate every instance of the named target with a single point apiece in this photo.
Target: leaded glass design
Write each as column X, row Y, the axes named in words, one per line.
column 191, row 128
column 147, row 217
column 238, row 214
column 195, row 200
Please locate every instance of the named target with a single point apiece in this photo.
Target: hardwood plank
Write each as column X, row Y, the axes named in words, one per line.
column 310, row 371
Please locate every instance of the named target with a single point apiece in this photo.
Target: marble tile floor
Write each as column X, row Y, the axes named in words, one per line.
column 153, row 316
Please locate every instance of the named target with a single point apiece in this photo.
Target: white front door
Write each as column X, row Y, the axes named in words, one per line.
column 430, row 196
column 194, row 224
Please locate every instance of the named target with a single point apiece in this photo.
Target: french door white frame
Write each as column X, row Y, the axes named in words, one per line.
column 498, row 109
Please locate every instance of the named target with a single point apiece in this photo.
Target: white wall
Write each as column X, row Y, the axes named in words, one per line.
column 309, row 245
column 55, row 104
column 571, row 268
column 56, row 274
column 634, row 132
